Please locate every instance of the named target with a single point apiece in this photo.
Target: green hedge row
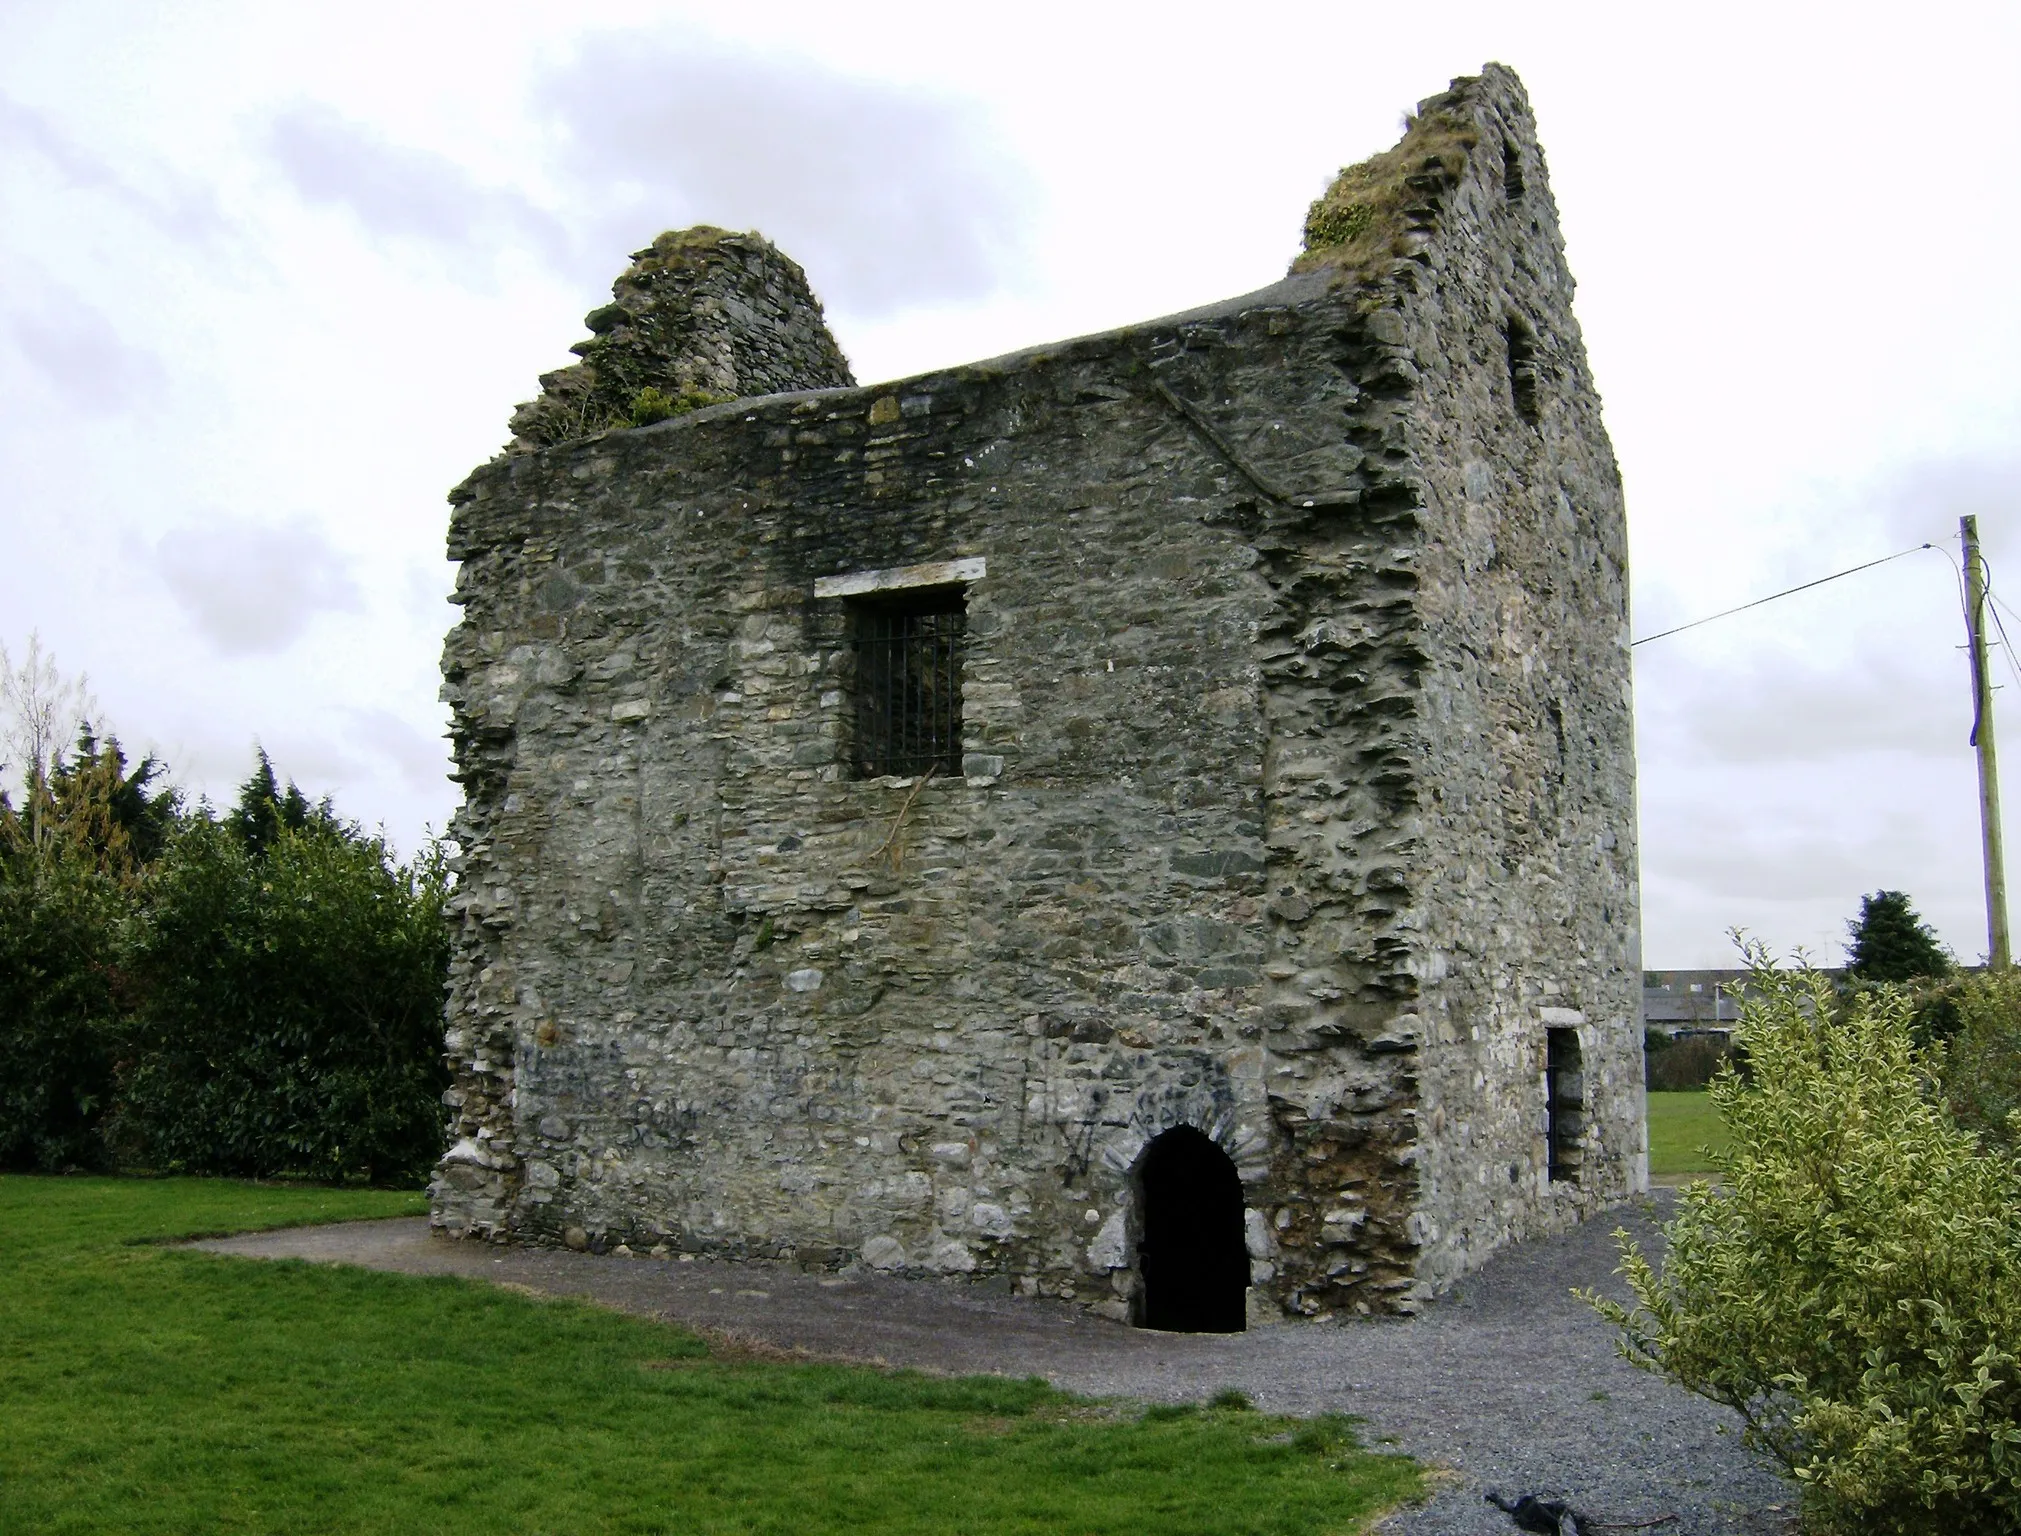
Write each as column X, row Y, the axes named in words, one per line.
column 257, row 993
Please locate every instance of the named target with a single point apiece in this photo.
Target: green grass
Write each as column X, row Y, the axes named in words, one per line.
column 149, row 1388
column 1680, row 1126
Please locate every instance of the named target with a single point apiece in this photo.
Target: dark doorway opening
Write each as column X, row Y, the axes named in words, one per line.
column 1564, row 1104
column 1192, row 1257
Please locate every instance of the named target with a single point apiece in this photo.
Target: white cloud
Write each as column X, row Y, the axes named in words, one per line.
column 172, row 204
column 422, row 759
column 400, row 192
column 251, row 588
column 84, row 357
column 1801, row 712
column 891, row 197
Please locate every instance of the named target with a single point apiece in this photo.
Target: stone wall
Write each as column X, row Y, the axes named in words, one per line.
column 701, row 316
column 1297, row 797
column 1530, row 824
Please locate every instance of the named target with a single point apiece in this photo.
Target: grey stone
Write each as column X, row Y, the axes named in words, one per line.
column 884, row 1253
column 703, row 316
column 1299, row 668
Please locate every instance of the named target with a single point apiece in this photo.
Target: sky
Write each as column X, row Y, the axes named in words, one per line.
column 272, row 278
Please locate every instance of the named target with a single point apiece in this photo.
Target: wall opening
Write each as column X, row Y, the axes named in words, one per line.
column 1512, row 172
column 1192, row 1257
column 908, row 652
column 1564, row 1104
column 1523, row 369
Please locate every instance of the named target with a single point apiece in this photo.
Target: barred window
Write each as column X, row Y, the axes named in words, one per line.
column 908, row 683
column 1564, row 1103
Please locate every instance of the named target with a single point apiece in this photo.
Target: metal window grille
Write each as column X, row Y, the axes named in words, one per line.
column 908, row 687
column 1564, row 1103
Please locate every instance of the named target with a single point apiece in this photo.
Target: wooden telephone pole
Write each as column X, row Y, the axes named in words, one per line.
column 2000, row 953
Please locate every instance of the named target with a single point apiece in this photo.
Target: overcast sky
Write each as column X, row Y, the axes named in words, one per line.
column 272, row 279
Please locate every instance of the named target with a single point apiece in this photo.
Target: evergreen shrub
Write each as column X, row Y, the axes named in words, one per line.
column 59, row 927
column 68, row 861
column 257, row 993
column 1980, row 1061
column 1892, row 943
column 291, row 1014
column 1852, row 1288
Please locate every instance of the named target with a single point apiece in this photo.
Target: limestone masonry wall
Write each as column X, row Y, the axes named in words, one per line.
column 701, row 315
column 1296, row 800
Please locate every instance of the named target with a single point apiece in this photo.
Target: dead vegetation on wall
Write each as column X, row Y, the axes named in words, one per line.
column 1366, row 218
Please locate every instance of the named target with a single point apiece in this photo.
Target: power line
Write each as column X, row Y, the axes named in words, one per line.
column 1993, row 606
column 2006, row 645
column 1994, row 603
column 1965, row 614
column 1997, row 598
column 1786, row 592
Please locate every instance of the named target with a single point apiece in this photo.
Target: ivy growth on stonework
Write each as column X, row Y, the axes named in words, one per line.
column 653, row 404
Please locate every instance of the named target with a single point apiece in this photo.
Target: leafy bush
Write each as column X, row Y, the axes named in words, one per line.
column 291, row 1003
column 59, row 922
column 1853, row 1292
column 257, row 994
column 68, row 859
column 1980, row 1065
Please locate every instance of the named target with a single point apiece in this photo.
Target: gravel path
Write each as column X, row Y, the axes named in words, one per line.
column 1508, row 1381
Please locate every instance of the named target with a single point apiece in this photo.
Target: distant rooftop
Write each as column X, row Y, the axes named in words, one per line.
column 1707, row 997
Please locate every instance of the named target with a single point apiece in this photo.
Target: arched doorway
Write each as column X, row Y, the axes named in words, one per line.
column 1192, row 1257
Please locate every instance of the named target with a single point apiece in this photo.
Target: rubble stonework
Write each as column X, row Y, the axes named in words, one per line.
column 1296, row 803
column 701, row 315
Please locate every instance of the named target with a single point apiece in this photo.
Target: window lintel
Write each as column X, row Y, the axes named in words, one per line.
column 941, row 573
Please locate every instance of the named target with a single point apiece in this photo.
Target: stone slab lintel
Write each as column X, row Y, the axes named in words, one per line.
column 942, row 573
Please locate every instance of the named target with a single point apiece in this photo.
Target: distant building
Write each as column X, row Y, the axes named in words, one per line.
column 1684, row 1002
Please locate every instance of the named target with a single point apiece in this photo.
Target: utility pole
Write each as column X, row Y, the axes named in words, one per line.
column 1999, row 952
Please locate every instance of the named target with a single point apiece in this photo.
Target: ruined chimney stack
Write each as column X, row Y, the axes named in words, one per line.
column 701, row 316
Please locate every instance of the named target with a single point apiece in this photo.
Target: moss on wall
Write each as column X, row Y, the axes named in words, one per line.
column 1364, row 219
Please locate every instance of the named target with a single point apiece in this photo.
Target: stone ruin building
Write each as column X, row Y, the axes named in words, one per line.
column 1147, row 820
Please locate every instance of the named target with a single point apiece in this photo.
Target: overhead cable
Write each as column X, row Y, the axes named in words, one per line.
column 1728, row 613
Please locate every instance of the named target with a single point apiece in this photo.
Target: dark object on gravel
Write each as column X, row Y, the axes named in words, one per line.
column 1554, row 1517
column 1545, row 1517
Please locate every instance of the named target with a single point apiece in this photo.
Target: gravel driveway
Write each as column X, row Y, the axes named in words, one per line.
column 1507, row 1381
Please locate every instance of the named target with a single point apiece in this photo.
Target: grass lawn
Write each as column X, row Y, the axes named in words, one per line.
column 148, row 1388
column 1680, row 1124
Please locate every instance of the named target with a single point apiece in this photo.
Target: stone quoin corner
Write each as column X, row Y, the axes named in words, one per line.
column 1147, row 820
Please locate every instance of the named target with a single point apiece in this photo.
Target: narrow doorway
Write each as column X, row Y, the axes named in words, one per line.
column 1192, row 1257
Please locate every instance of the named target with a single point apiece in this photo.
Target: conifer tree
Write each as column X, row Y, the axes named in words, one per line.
column 1892, row 943
column 264, row 808
column 115, row 815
